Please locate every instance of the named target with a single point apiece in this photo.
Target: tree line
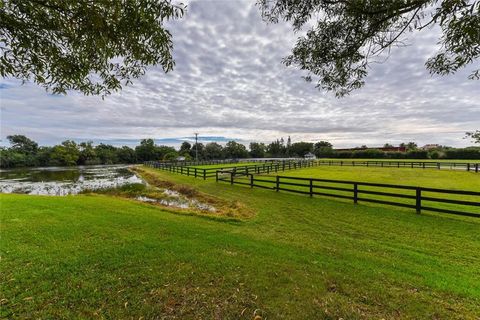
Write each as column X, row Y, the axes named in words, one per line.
column 24, row 152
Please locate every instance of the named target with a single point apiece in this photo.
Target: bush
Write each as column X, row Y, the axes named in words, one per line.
column 368, row 154
column 466, row 153
column 417, row 154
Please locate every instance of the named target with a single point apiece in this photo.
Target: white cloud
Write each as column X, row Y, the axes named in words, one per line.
column 229, row 81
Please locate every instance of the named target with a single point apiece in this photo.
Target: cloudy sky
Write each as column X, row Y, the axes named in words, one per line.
column 229, row 83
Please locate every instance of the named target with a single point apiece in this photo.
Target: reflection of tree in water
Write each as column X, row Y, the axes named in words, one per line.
column 51, row 175
column 66, row 174
column 63, row 181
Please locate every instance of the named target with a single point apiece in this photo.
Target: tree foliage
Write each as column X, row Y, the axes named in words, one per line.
column 94, row 47
column 347, row 36
column 475, row 136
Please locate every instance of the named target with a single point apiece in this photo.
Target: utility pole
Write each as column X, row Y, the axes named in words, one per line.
column 196, row 147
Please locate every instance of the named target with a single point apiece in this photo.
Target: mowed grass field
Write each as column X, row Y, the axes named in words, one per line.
column 432, row 178
column 93, row 256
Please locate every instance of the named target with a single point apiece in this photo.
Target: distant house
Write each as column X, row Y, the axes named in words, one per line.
column 180, row 158
column 310, row 156
column 430, row 146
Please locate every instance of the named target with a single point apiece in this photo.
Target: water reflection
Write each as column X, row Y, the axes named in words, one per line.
column 65, row 180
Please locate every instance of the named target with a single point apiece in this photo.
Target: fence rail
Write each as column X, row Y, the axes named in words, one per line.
column 265, row 167
column 467, row 166
column 459, row 202
column 272, row 165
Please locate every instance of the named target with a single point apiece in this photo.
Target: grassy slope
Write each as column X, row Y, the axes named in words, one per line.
column 299, row 258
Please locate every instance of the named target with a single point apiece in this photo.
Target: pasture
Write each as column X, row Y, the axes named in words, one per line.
column 448, row 179
column 93, row 256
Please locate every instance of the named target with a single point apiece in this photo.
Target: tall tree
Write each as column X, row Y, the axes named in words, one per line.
column 475, row 136
column 213, row 151
column 22, row 144
column 87, row 153
column 146, row 151
column 185, row 148
column 347, row 36
column 94, row 47
column 235, row 150
column 65, row 154
column 300, row 149
column 257, row 150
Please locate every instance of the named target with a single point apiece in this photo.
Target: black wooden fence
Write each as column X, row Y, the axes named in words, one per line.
column 271, row 165
column 466, row 203
column 265, row 167
column 465, row 166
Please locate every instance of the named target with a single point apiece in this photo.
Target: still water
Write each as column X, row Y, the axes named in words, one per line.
column 60, row 181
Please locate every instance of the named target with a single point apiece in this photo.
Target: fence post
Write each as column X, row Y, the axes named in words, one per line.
column 438, row 165
column 468, row 166
column 195, row 172
column 311, row 188
column 355, row 193
column 476, row 167
column 418, row 200
column 204, row 174
column 216, row 176
column 251, row 181
column 231, row 177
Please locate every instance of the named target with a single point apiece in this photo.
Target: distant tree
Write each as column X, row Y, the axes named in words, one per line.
column 300, row 149
column 276, row 149
column 170, row 156
column 345, row 37
column 288, row 146
column 185, row 148
column 235, row 150
column 213, row 151
column 65, row 154
column 201, row 151
column 409, row 146
column 107, row 154
column 22, row 144
column 323, row 149
column 475, row 136
column 93, row 47
column 162, row 151
column 126, row 155
column 388, row 145
column 257, row 150
column 323, row 144
column 87, row 153
column 146, row 151
column 44, row 156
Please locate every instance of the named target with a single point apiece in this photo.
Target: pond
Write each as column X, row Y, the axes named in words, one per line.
column 60, row 181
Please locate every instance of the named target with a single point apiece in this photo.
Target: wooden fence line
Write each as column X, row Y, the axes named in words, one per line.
column 268, row 166
column 356, row 193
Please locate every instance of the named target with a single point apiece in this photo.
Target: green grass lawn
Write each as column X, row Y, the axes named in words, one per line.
column 93, row 256
column 433, row 178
